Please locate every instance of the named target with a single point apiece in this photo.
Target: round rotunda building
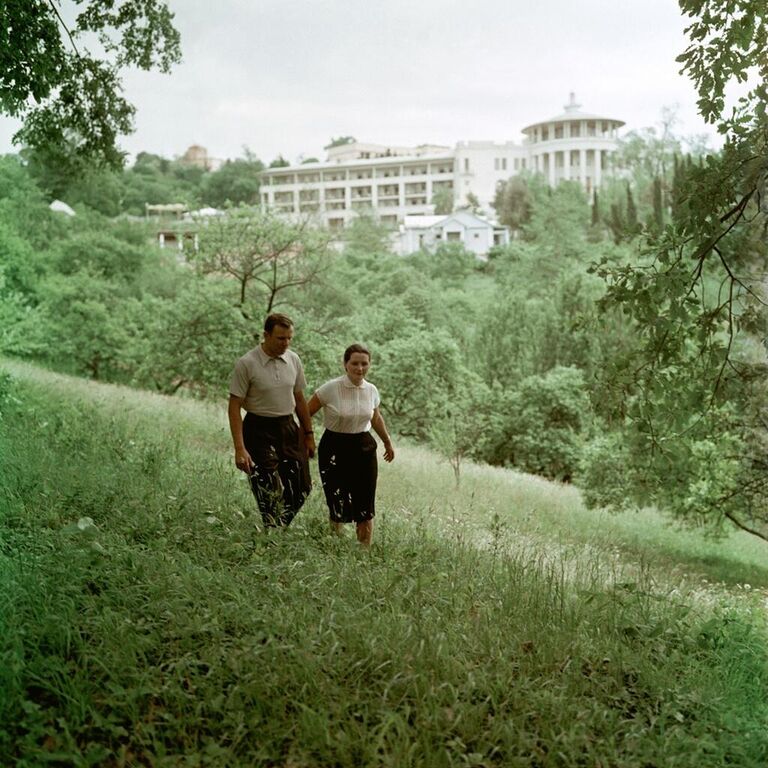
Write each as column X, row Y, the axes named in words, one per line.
column 573, row 146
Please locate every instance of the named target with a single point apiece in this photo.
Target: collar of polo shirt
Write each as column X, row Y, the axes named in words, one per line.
column 265, row 358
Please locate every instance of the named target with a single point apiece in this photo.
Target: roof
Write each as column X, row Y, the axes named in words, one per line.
column 366, row 162
column 466, row 218
column 572, row 112
column 61, row 207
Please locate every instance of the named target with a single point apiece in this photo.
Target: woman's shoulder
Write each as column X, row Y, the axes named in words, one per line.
column 330, row 385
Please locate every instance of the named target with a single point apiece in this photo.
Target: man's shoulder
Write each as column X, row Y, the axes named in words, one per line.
column 250, row 357
column 291, row 356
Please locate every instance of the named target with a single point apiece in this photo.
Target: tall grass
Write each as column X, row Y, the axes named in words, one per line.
column 145, row 620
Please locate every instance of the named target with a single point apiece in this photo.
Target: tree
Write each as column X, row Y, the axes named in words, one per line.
column 559, row 217
column 473, row 203
column 422, row 371
column 633, row 223
column 185, row 342
column 595, row 222
column 340, row 141
column 457, row 428
column 79, row 324
column 512, row 203
column 442, row 199
column 543, row 424
column 69, row 98
column 693, row 393
column 235, row 182
column 264, row 254
column 658, row 204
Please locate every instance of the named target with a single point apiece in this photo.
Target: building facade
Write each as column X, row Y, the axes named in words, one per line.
column 476, row 234
column 395, row 182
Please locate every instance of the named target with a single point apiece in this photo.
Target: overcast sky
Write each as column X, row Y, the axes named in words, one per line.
column 284, row 76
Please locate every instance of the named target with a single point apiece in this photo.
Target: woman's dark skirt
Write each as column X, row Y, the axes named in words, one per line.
column 348, row 472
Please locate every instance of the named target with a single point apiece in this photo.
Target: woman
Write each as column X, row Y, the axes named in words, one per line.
column 347, row 452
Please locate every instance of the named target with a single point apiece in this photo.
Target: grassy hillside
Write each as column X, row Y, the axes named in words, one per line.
column 145, row 620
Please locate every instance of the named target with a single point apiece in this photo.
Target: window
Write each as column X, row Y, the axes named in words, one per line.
column 452, row 236
column 466, row 165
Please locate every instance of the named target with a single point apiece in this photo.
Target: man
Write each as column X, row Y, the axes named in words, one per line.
column 268, row 383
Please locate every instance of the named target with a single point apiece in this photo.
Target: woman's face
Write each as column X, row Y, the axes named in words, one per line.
column 357, row 366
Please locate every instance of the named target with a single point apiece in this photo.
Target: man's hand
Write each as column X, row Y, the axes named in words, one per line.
column 309, row 444
column 243, row 461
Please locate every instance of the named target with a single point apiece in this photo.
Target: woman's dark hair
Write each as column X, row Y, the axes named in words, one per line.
column 352, row 348
column 277, row 319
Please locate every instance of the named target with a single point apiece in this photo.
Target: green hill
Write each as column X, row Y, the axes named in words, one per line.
column 145, row 620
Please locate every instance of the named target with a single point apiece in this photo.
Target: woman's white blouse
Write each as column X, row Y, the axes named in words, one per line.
column 346, row 406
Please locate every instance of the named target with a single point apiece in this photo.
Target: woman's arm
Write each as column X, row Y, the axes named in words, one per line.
column 306, row 422
column 314, row 405
column 377, row 422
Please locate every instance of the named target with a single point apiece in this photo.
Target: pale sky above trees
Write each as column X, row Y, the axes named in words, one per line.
column 284, row 76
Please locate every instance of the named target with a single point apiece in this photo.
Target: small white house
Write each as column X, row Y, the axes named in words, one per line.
column 476, row 234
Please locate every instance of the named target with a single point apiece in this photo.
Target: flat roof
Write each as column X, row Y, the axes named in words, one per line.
column 362, row 161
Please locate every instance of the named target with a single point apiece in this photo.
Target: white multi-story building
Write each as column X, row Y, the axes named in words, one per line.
column 395, row 182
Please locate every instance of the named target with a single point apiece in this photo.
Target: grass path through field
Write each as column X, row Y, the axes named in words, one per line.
column 144, row 619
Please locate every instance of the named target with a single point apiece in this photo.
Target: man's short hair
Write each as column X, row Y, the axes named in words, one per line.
column 276, row 318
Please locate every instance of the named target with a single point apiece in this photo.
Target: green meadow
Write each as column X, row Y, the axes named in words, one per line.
column 145, row 620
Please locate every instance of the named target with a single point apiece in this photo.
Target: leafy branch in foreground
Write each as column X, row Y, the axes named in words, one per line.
column 692, row 393
column 68, row 97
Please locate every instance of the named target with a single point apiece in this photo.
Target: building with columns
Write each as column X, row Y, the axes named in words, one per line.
column 573, row 145
column 395, row 182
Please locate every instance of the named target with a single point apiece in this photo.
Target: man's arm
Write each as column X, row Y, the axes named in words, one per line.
column 243, row 460
column 302, row 411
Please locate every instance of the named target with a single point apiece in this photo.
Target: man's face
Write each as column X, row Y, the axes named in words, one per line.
column 277, row 340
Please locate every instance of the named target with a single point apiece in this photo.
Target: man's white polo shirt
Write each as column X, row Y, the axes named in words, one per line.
column 267, row 384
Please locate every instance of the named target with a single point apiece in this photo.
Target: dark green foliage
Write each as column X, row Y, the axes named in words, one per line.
column 559, row 217
column 542, row 423
column 78, row 112
column 697, row 300
column 658, row 205
column 513, row 202
column 236, row 182
column 617, row 223
column 340, row 141
column 595, row 208
column 632, row 223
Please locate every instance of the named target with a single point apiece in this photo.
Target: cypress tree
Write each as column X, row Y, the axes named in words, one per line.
column 633, row 226
column 658, row 204
column 595, row 209
column 617, row 223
